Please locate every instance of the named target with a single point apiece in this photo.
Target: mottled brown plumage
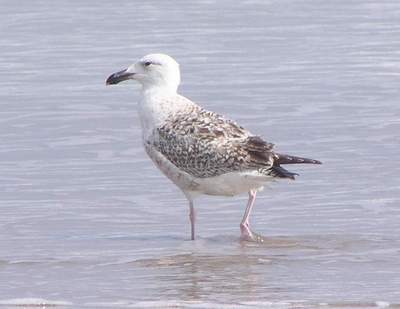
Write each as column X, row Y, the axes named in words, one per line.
column 205, row 144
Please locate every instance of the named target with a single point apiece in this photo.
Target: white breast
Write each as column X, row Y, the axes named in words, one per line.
column 155, row 107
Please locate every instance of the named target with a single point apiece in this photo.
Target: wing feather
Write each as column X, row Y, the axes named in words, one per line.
column 205, row 144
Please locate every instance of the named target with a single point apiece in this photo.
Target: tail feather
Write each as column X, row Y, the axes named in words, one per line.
column 280, row 172
column 286, row 159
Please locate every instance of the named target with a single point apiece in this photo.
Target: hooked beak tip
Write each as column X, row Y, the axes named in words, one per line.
column 118, row 77
column 109, row 82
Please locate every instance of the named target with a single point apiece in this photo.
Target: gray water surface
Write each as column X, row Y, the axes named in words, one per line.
column 86, row 220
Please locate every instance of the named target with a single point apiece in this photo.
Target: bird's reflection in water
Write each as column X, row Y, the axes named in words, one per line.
column 193, row 276
column 232, row 272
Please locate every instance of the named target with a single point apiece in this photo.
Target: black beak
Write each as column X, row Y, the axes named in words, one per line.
column 118, row 77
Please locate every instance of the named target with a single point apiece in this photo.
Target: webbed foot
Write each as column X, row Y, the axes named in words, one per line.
column 248, row 235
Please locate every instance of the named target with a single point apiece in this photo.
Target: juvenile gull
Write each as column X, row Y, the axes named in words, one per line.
column 198, row 150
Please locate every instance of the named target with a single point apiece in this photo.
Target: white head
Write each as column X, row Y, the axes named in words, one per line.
column 154, row 70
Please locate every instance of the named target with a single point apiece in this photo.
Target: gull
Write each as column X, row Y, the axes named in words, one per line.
column 201, row 152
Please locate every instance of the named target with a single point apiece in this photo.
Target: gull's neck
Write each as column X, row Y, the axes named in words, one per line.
column 161, row 89
column 158, row 102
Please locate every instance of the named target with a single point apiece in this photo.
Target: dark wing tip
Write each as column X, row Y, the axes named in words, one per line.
column 311, row 161
column 286, row 159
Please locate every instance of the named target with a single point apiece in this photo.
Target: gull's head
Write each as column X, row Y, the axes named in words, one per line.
column 154, row 70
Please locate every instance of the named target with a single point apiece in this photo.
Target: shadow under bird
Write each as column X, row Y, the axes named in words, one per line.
column 198, row 150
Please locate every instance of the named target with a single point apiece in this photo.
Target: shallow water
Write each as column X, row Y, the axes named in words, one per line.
column 87, row 221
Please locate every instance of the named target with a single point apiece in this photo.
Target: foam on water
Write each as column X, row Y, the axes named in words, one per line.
column 33, row 302
column 43, row 303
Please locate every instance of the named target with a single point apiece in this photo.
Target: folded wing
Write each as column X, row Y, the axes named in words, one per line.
column 204, row 144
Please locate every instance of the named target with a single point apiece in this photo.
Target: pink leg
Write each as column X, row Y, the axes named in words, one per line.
column 192, row 216
column 246, row 232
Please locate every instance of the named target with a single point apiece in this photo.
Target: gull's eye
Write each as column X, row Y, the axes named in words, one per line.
column 147, row 63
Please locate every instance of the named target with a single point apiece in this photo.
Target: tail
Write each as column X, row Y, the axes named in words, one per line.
column 280, row 172
column 285, row 159
column 277, row 171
